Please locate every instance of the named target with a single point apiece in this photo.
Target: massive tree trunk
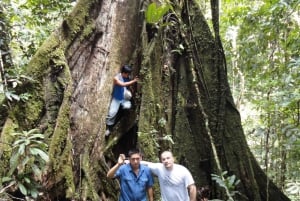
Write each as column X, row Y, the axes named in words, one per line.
column 183, row 93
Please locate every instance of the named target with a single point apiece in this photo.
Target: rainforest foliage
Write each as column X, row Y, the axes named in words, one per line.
column 261, row 42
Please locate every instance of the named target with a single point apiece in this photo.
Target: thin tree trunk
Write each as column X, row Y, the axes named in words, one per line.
column 184, row 96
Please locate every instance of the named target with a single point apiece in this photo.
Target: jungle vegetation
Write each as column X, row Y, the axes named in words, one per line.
column 261, row 44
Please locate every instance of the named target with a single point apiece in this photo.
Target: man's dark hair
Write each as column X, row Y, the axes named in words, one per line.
column 126, row 69
column 134, row 151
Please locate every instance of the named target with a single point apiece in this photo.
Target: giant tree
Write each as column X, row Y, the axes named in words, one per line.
column 182, row 102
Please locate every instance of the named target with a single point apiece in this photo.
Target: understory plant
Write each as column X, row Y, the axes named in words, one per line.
column 228, row 183
column 27, row 162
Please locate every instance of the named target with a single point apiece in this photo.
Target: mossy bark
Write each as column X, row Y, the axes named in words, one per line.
column 182, row 97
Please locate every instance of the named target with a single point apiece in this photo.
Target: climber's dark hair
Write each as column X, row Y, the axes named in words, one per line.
column 126, row 69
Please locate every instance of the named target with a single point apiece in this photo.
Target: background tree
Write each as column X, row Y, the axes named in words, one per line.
column 24, row 26
column 183, row 94
column 263, row 62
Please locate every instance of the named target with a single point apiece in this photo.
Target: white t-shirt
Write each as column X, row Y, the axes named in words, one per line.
column 173, row 183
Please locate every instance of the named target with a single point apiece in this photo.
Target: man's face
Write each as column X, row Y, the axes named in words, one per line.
column 125, row 75
column 135, row 160
column 167, row 160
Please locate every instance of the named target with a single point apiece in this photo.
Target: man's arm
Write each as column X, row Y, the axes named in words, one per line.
column 147, row 163
column 113, row 170
column 150, row 193
column 192, row 192
column 124, row 84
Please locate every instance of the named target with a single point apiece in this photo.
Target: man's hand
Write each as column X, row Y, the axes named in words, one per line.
column 121, row 159
column 113, row 170
column 136, row 79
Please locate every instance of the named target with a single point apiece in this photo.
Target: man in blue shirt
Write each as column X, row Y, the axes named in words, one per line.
column 135, row 179
column 119, row 97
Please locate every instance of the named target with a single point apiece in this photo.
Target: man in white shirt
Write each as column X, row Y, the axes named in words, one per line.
column 175, row 181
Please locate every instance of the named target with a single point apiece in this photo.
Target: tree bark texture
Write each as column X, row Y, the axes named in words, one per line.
column 182, row 95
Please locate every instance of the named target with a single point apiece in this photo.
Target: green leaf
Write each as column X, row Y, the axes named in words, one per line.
column 162, row 10
column 27, row 180
column 21, row 149
column 6, row 179
column 27, row 142
column 34, row 193
column 168, row 138
column 231, row 180
column 14, row 161
column 36, row 170
column 22, row 188
column 32, row 131
column 162, row 122
column 25, row 161
column 154, row 14
column 36, row 136
column 224, row 173
column 20, row 141
column 293, row 188
column 41, row 153
column 13, row 96
column 276, row 143
column 150, row 12
column 17, row 134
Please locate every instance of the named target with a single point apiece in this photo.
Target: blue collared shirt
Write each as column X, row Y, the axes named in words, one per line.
column 134, row 187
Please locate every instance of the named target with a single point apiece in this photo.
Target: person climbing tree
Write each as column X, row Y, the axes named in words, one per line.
column 120, row 96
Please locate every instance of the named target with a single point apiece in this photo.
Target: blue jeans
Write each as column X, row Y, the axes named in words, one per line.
column 114, row 108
